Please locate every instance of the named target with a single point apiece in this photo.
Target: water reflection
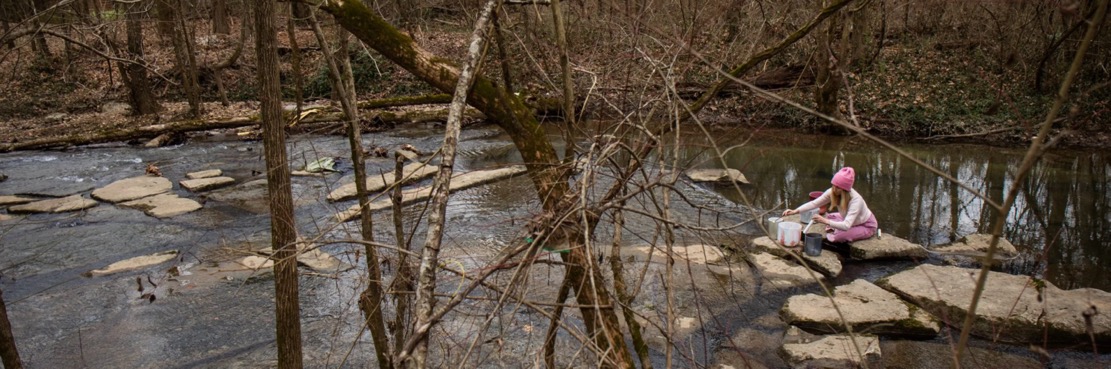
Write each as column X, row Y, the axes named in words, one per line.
column 1057, row 221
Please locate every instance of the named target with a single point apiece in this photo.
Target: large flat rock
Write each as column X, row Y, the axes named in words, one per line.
column 1012, row 308
column 132, row 188
column 780, row 273
column 6, row 200
column 716, row 175
column 205, row 184
column 696, row 254
column 164, row 205
column 887, row 247
column 835, row 352
column 134, row 263
column 865, row 307
column 375, row 183
column 204, row 174
column 314, row 258
column 828, row 262
column 458, row 182
column 978, row 243
column 62, row 205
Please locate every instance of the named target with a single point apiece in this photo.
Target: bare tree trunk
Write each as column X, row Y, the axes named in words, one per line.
column 184, row 46
column 568, row 82
column 426, row 284
column 140, row 96
column 7, row 29
column 295, row 59
column 283, row 230
column 220, row 22
column 165, row 25
column 343, row 86
column 827, row 81
column 8, row 351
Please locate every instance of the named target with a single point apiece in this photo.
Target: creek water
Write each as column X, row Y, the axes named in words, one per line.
column 214, row 317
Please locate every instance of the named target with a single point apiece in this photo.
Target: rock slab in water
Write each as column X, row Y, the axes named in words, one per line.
column 316, row 259
column 6, row 200
column 5, row 217
column 458, row 182
column 779, row 273
column 866, row 308
column 132, row 188
column 1012, row 308
column 134, row 263
column 205, row 184
column 374, row 182
column 888, row 247
column 696, row 254
column 978, row 243
column 716, row 175
column 204, row 174
column 164, row 205
column 62, row 205
column 827, row 262
column 834, row 352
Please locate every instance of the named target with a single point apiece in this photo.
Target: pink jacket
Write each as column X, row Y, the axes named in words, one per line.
column 857, row 214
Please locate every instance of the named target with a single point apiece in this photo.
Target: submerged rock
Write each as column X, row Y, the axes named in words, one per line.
column 132, row 188
column 205, row 184
column 314, row 258
column 866, row 308
column 6, row 217
column 716, row 175
column 1012, row 308
column 134, row 263
column 828, row 262
column 835, row 352
column 62, row 205
column 164, row 205
column 886, row 247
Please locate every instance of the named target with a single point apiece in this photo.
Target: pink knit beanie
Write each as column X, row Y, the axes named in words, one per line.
column 844, row 178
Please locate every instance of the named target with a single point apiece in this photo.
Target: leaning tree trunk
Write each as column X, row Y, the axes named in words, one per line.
column 548, row 177
column 827, row 81
column 283, row 232
column 8, row 351
column 140, row 95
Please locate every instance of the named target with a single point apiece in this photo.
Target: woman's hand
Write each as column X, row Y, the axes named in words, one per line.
column 820, row 219
column 790, row 212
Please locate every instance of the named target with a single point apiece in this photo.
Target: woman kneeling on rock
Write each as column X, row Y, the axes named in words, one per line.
column 853, row 220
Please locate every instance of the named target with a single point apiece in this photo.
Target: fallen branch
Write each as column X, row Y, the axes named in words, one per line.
column 327, row 116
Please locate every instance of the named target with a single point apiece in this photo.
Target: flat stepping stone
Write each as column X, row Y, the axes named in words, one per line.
column 887, row 247
column 57, row 189
column 716, row 175
column 458, row 182
column 204, row 174
column 256, row 262
column 62, row 205
column 836, row 351
column 976, row 246
column 696, row 254
column 132, row 188
column 828, row 262
column 375, row 183
column 866, row 308
column 1012, row 308
column 164, row 205
column 6, row 217
column 205, row 184
column 316, row 259
column 134, row 263
column 780, row 273
column 6, row 200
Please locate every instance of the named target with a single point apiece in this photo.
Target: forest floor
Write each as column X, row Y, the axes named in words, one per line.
column 84, row 95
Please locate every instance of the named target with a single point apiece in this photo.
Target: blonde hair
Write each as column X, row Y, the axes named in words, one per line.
column 839, row 200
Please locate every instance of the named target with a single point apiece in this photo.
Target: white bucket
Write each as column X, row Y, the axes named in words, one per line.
column 790, row 234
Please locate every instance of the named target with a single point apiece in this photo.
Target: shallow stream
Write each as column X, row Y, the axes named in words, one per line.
column 213, row 316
